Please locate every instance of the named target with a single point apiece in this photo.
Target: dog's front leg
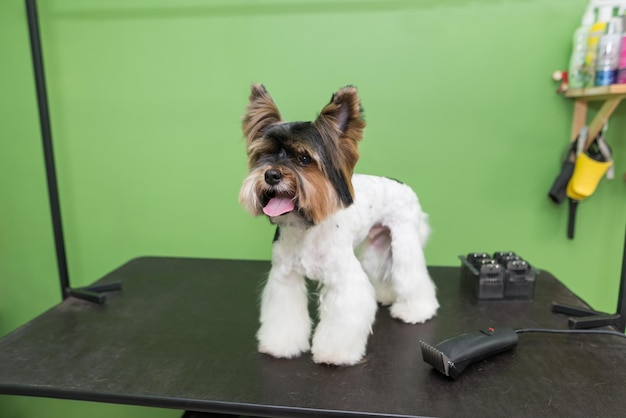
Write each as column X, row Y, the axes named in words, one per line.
column 347, row 311
column 285, row 322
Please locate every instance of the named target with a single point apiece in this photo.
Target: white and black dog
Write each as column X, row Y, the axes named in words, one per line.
column 361, row 237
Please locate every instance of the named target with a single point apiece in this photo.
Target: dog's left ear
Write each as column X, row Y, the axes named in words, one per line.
column 344, row 115
column 260, row 113
column 341, row 120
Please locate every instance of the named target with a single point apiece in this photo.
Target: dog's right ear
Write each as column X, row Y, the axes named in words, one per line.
column 261, row 113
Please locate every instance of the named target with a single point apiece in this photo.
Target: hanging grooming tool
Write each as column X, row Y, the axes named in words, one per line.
column 557, row 191
column 591, row 164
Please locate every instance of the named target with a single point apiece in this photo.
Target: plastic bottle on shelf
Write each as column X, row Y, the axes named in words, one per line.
column 598, row 29
column 576, row 69
column 621, row 67
column 608, row 56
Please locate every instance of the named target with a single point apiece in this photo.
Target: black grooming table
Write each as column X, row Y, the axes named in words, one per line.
column 181, row 335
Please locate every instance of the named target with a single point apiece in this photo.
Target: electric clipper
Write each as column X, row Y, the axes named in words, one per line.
column 453, row 355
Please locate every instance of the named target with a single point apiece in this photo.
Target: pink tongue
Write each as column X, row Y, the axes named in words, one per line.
column 278, row 205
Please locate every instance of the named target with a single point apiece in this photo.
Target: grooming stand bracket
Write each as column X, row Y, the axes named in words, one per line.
column 94, row 293
column 581, row 318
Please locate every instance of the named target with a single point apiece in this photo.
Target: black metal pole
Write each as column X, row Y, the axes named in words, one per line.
column 621, row 301
column 46, row 136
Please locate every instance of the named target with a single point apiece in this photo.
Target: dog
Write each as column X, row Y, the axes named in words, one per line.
column 361, row 237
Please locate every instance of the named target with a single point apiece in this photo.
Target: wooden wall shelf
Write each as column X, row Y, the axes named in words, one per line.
column 611, row 96
column 597, row 93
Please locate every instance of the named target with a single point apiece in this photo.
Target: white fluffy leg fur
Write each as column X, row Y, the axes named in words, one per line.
column 285, row 322
column 347, row 312
column 375, row 257
column 416, row 299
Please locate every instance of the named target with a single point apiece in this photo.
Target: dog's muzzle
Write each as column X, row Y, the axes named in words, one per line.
column 273, row 177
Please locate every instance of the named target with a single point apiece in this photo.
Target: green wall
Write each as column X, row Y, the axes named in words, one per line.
column 146, row 98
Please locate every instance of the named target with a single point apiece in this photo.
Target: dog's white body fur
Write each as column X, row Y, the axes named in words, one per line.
column 370, row 251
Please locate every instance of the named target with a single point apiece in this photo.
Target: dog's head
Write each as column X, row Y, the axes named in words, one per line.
column 301, row 168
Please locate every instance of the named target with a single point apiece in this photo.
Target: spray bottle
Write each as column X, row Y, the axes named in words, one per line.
column 608, row 56
column 579, row 51
column 605, row 13
column 621, row 67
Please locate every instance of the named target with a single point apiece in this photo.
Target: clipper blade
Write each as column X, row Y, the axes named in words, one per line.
column 435, row 358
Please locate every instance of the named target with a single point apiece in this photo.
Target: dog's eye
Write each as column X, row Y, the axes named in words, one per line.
column 305, row 159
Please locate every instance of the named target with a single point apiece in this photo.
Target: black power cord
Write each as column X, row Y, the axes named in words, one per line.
column 571, row 331
column 453, row 355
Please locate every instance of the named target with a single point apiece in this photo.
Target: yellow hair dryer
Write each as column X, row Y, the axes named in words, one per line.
column 589, row 168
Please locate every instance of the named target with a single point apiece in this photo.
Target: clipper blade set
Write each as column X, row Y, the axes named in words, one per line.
column 503, row 275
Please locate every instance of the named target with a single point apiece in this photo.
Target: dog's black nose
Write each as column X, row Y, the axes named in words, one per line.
column 272, row 177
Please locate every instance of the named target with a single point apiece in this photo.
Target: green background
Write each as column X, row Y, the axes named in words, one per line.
column 146, row 98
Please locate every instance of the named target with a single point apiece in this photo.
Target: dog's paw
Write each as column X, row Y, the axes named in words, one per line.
column 336, row 356
column 414, row 312
column 282, row 352
column 340, row 348
column 385, row 295
column 282, row 345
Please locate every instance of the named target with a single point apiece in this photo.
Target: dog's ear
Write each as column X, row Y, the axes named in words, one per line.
column 344, row 115
column 341, row 121
column 260, row 113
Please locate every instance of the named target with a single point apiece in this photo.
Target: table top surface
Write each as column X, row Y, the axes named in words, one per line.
column 181, row 334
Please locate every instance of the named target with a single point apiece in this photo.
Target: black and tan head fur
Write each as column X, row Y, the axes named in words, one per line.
column 310, row 163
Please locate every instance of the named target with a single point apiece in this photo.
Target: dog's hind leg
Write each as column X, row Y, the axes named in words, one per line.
column 374, row 254
column 285, row 322
column 416, row 299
